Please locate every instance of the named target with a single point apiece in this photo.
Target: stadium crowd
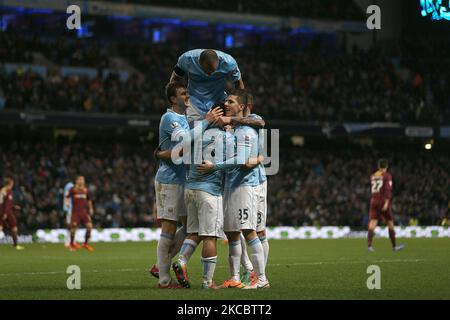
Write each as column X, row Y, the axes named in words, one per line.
column 326, row 9
column 311, row 188
column 361, row 86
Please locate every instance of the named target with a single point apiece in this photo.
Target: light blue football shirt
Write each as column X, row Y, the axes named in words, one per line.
column 246, row 146
column 206, row 90
column 217, row 143
column 261, row 169
column 67, row 187
column 171, row 123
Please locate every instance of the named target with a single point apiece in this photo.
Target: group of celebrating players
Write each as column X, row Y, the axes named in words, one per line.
column 220, row 196
column 217, row 191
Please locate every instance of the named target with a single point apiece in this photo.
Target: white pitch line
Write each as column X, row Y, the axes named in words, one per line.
column 270, row 264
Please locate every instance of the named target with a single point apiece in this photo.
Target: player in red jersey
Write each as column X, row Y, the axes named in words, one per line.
column 7, row 206
column 380, row 204
column 81, row 203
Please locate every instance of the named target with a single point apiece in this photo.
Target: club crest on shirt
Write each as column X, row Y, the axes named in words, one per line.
column 174, row 125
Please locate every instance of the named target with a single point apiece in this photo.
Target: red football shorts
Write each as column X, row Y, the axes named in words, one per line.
column 10, row 221
column 376, row 213
column 78, row 218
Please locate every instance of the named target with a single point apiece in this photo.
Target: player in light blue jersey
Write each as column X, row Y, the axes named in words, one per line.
column 241, row 198
column 248, row 274
column 203, row 197
column 170, row 179
column 67, row 209
column 208, row 72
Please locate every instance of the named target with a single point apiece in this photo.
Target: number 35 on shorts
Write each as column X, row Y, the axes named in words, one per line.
column 243, row 215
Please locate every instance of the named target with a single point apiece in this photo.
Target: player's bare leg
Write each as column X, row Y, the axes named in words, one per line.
column 73, row 230
column 180, row 266
column 87, row 236
column 390, row 225
column 209, row 261
column 14, row 232
column 234, row 260
column 168, row 229
column 257, row 258
column 371, row 233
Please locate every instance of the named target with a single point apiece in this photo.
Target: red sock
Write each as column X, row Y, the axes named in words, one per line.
column 72, row 237
column 87, row 236
column 392, row 237
column 14, row 236
column 370, row 235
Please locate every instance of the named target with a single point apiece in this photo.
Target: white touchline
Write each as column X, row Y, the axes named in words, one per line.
column 270, row 264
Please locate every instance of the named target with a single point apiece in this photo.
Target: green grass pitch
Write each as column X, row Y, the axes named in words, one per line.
column 297, row 269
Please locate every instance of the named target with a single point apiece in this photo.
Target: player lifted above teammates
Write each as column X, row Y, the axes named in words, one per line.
column 82, row 210
column 208, row 72
column 170, row 180
column 7, row 206
column 380, row 204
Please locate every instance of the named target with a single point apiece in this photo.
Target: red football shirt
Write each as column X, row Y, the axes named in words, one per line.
column 6, row 202
column 381, row 185
column 80, row 198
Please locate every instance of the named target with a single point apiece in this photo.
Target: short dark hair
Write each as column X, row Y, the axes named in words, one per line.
column 7, row 180
column 171, row 89
column 208, row 57
column 242, row 96
column 383, row 163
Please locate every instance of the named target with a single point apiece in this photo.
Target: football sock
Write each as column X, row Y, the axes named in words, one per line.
column 162, row 251
column 87, row 236
column 14, row 236
column 209, row 266
column 72, row 236
column 392, row 237
column 177, row 242
column 265, row 245
column 257, row 258
column 245, row 260
column 186, row 251
column 234, row 258
column 370, row 235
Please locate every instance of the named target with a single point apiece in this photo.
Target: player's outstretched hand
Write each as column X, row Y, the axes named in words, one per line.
column 213, row 115
column 205, row 167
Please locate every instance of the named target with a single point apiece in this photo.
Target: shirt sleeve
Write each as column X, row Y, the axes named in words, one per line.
column 181, row 68
column 2, row 197
column 387, row 194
